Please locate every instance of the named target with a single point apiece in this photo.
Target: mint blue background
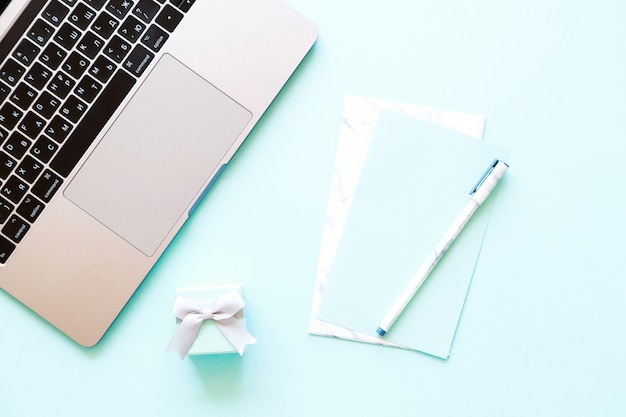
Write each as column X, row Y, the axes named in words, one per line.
column 542, row 332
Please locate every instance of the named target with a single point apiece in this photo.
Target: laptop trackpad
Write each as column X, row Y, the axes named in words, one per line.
column 157, row 155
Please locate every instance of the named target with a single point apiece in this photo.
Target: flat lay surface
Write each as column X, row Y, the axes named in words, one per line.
column 541, row 332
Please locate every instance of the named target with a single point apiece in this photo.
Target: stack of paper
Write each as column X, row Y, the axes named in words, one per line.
column 398, row 184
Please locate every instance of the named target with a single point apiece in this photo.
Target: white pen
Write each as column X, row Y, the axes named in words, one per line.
column 479, row 194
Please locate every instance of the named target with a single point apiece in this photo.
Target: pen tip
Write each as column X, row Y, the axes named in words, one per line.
column 380, row 331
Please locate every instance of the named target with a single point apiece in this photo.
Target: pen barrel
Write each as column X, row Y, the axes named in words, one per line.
column 430, row 263
column 479, row 196
column 490, row 182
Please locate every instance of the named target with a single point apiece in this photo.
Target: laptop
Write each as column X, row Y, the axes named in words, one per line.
column 116, row 117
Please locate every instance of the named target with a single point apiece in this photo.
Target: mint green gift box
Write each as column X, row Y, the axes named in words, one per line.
column 210, row 340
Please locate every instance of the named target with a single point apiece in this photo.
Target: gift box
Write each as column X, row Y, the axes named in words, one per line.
column 210, row 320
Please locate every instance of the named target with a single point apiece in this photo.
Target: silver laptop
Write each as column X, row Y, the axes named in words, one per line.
column 116, row 117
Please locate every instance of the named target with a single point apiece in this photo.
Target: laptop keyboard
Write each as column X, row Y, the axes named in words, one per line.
column 66, row 67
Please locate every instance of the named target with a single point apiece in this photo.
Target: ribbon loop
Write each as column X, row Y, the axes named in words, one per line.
column 222, row 310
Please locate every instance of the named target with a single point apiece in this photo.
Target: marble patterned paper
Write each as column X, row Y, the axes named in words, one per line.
column 358, row 123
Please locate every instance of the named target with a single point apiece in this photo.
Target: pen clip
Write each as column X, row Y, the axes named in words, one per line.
column 484, row 176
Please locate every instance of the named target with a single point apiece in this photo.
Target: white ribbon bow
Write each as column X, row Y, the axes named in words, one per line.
column 222, row 310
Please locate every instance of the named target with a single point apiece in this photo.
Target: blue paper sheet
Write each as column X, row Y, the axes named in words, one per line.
column 414, row 183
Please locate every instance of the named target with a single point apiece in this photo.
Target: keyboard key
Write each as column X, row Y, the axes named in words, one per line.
column 61, row 84
column 55, row 12
column 119, row 8
column 46, row 104
column 5, row 210
column 90, row 45
column 87, row 89
column 11, row 72
column 31, row 208
column 138, row 60
column 70, row 2
column 40, row 32
column 105, row 25
column 47, row 185
column 4, row 91
column 117, row 49
column 82, row 16
column 52, row 56
column 98, row 115
column 26, row 52
column 67, row 36
column 131, row 29
column 169, row 18
column 58, row 129
column 10, row 115
column 96, row 4
column 29, row 169
column 146, row 10
column 3, row 135
column 183, row 5
column 31, row 125
column 73, row 109
column 18, row 28
column 154, row 38
column 43, row 150
column 23, row 96
column 38, row 76
column 14, row 189
column 15, row 229
column 16, row 145
column 102, row 69
column 7, row 164
column 6, row 249
column 75, row 65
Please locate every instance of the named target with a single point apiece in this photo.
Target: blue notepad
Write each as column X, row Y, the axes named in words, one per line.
column 415, row 181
